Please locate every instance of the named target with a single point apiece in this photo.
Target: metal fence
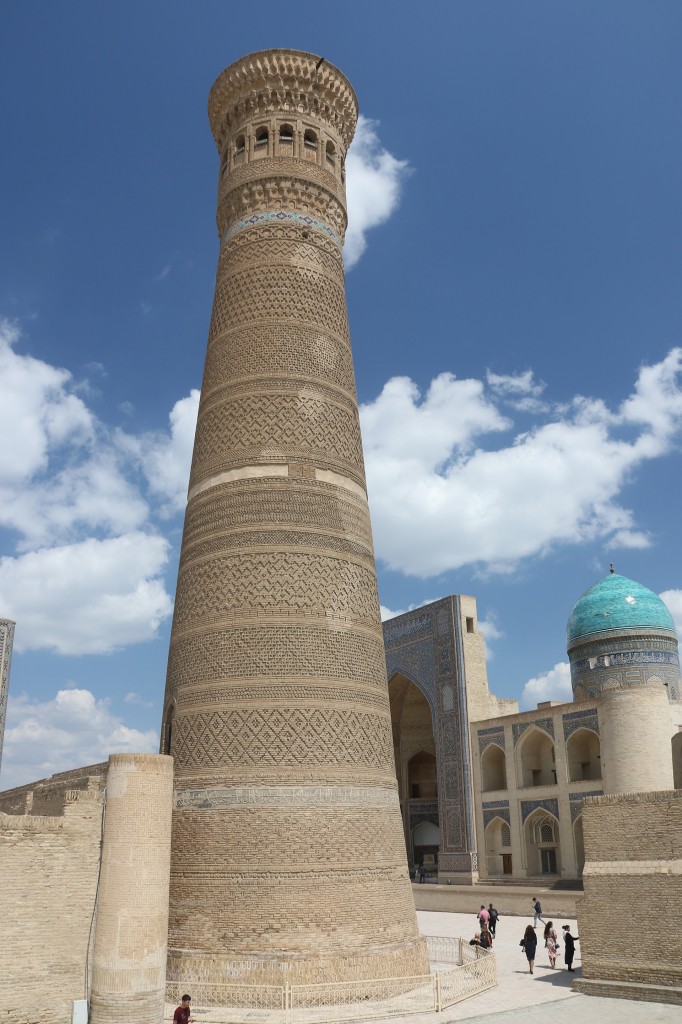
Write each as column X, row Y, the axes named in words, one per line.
column 458, row 971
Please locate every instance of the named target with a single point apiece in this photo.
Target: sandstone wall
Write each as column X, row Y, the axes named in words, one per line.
column 48, row 867
column 633, row 891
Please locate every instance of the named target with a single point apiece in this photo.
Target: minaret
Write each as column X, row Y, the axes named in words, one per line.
column 288, row 857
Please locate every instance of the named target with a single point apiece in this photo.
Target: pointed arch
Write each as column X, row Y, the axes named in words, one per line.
column 542, row 847
column 535, row 759
column 583, row 755
column 497, row 844
column 493, row 768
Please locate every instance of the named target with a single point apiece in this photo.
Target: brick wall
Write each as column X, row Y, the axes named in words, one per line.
column 48, row 866
column 633, row 889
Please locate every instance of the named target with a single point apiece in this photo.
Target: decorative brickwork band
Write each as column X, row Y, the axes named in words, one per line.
column 302, row 220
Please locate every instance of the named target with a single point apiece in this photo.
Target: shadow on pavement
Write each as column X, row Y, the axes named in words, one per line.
column 559, row 977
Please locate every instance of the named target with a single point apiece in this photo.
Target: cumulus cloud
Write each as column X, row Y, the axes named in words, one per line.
column 673, row 599
column 552, row 685
column 60, row 476
column 374, row 179
column 165, row 457
column 72, row 729
column 86, row 574
column 440, row 500
column 520, row 390
column 87, row 598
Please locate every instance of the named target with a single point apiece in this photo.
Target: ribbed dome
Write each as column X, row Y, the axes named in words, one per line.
column 617, row 603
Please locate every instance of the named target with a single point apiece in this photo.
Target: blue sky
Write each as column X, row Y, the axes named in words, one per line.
column 515, row 309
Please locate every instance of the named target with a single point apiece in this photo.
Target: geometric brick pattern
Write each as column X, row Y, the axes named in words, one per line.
column 276, row 673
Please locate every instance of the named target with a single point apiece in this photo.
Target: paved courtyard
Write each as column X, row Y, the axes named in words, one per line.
column 544, row 996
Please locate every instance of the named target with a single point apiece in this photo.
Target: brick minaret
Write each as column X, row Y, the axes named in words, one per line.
column 288, row 858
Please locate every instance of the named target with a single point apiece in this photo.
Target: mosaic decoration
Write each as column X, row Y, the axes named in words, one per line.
column 425, row 646
column 576, row 802
column 586, row 719
column 281, row 216
column 6, row 644
column 488, row 736
column 551, row 804
column 496, row 809
column 546, row 724
column 424, row 811
column 620, row 658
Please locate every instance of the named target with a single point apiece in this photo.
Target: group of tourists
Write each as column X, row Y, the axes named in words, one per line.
column 529, row 942
column 488, row 918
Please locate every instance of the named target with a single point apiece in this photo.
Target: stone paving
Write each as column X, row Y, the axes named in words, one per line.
column 543, row 996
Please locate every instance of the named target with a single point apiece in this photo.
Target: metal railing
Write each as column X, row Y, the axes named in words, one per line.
column 458, row 971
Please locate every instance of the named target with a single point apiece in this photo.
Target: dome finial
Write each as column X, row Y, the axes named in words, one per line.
column 611, row 569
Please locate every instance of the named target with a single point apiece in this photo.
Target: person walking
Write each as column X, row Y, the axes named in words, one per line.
column 537, row 910
column 483, row 916
column 530, row 944
column 492, row 920
column 551, row 943
column 569, row 946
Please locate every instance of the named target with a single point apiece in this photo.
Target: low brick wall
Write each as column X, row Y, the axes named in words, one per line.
column 632, row 892
column 48, row 867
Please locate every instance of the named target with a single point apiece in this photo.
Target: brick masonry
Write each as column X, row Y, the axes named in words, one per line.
column 276, row 676
column 632, row 894
column 49, row 854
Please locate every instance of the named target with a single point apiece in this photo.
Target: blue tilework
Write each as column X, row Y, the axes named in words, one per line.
column 617, row 603
column 281, row 216
column 551, row 804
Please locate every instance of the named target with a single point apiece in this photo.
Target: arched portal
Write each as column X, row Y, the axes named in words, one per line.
column 415, row 759
column 541, row 838
column 583, row 755
column 493, row 769
column 535, row 759
column 498, row 848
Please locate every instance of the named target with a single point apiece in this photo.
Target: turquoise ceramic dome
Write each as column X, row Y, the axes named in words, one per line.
column 617, row 603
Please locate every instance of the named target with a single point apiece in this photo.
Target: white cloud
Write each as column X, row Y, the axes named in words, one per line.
column 73, row 729
column 87, row 572
column 520, row 390
column 439, row 502
column 673, row 599
column 59, row 476
column 165, row 458
column 374, row 180
column 387, row 613
column 136, row 698
column 87, row 598
column 37, row 411
column 552, row 685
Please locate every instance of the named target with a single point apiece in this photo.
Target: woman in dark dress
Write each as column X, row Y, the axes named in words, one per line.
column 569, row 946
column 530, row 944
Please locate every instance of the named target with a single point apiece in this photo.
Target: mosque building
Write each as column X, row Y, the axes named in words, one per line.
column 488, row 792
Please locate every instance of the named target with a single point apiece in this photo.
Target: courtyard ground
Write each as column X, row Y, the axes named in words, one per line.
column 543, row 996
